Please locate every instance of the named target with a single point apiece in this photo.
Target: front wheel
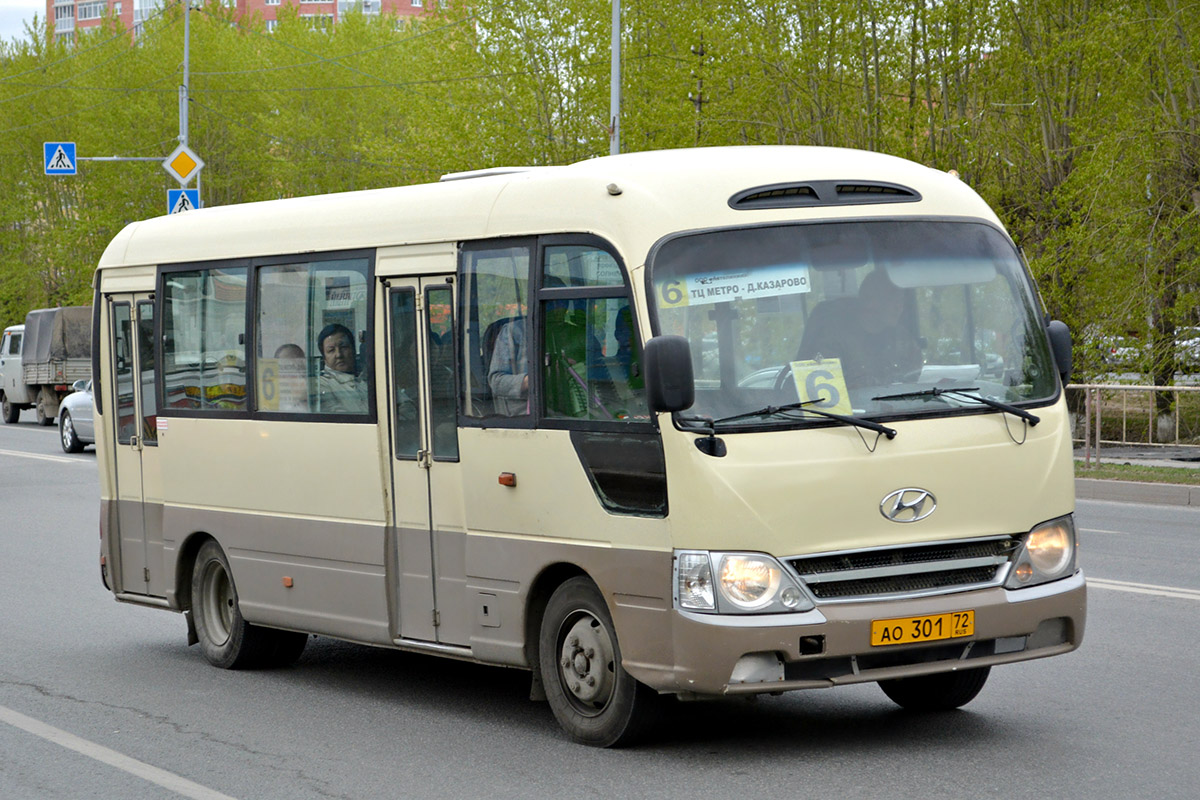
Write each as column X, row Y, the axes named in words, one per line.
column 70, row 439
column 592, row 696
column 226, row 639
column 9, row 411
column 943, row 691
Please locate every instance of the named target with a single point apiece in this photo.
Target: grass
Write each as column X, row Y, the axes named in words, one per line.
column 1136, row 472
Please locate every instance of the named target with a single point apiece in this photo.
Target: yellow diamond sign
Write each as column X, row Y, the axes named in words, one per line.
column 183, row 164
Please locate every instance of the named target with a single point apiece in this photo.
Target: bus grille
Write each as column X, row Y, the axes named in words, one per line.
column 917, row 569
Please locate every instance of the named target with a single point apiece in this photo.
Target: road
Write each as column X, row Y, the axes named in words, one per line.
column 100, row 699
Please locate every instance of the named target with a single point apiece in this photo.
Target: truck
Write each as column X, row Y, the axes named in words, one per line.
column 42, row 359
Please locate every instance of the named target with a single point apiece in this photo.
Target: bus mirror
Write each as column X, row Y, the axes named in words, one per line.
column 1060, row 343
column 669, row 383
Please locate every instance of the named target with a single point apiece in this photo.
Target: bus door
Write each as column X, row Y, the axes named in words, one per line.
column 429, row 544
column 139, row 493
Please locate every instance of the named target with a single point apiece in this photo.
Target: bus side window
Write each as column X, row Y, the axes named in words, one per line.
column 496, row 338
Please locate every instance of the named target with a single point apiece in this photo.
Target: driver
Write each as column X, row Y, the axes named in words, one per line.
column 867, row 333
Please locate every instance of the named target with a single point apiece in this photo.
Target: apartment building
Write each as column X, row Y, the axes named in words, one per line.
column 71, row 16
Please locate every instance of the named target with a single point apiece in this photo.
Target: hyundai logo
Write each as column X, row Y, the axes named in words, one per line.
column 908, row 505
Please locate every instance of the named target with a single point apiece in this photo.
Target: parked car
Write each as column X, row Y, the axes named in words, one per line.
column 76, row 422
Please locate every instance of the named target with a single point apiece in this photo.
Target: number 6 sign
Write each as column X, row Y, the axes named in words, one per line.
column 822, row 381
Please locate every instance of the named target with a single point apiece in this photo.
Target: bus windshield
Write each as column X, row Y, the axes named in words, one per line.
column 856, row 318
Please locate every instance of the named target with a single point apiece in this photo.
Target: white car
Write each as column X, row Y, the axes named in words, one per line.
column 76, row 420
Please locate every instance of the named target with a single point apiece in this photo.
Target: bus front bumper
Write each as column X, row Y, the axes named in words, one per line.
column 831, row 645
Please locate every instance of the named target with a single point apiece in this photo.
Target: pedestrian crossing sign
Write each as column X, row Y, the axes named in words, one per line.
column 179, row 200
column 59, row 158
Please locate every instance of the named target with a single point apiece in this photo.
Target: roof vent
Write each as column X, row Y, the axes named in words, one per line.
column 822, row 193
column 878, row 192
column 779, row 196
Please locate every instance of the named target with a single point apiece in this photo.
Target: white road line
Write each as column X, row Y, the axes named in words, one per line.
column 1145, row 588
column 160, row 777
column 1101, row 530
column 40, row 457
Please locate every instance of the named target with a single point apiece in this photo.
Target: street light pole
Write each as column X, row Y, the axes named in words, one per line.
column 614, row 141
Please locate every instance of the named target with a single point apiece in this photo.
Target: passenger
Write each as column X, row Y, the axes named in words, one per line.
column 866, row 333
column 508, row 375
column 340, row 390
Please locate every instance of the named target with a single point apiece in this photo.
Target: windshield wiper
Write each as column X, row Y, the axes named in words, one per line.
column 802, row 406
column 967, row 392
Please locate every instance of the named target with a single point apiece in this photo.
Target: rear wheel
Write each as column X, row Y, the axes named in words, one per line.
column 42, row 419
column 66, row 429
column 226, row 639
column 9, row 411
column 593, row 698
column 941, row 692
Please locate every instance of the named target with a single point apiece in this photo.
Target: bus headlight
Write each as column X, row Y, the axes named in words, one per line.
column 1047, row 554
column 749, row 582
column 744, row 583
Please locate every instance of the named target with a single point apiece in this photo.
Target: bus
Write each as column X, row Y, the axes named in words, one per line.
column 691, row 423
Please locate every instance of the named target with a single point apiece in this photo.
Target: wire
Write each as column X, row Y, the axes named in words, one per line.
column 67, row 80
column 73, row 113
column 323, row 154
column 45, row 67
column 319, row 59
column 338, row 62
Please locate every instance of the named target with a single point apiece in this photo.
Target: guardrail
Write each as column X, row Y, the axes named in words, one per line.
column 1118, row 414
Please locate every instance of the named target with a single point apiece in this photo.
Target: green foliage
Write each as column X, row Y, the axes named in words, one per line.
column 1079, row 120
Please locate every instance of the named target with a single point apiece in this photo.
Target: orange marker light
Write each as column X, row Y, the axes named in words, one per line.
column 287, row 582
column 508, row 479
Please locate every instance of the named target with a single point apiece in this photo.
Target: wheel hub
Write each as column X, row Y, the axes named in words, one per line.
column 586, row 663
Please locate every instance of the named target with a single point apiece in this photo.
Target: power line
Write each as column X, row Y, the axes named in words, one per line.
column 319, row 59
column 44, row 67
column 67, row 80
column 376, row 78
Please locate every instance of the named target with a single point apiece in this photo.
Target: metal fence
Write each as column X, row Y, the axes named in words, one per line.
column 1116, row 414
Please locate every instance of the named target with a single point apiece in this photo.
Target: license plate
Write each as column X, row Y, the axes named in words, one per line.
column 911, row 630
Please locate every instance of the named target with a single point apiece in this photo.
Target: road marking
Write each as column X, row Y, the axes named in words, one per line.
column 161, row 777
column 1101, row 530
column 1146, row 588
column 39, row 456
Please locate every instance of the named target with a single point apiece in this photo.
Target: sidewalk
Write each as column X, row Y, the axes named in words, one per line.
column 1137, row 492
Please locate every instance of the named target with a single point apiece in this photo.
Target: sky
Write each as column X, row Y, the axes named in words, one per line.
column 15, row 13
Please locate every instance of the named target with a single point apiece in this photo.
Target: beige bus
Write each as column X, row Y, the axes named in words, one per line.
column 696, row 423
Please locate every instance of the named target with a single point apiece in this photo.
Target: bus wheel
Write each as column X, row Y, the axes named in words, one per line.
column 593, row 698
column 940, row 692
column 226, row 639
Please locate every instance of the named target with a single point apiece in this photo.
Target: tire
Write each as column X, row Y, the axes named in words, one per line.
column 592, row 696
column 226, row 639
column 10, row 412
column 943, row 691
column 66, row 430
column 42, row 419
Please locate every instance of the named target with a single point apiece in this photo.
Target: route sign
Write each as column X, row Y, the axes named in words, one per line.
column 59, row 158
column 183, row 164
column 180, row 200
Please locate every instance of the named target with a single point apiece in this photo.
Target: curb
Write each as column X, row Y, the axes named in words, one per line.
column 1167, row 494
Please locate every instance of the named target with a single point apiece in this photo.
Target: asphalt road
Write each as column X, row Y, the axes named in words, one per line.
column 104, row 700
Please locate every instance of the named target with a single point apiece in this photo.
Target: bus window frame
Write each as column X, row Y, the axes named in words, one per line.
column 538, row 294
column 250, row 333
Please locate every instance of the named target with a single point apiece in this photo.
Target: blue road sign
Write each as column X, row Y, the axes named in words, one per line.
column 59, row 158
column 179, row 200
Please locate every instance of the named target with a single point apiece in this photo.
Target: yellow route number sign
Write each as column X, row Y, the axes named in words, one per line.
column 822, row 381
